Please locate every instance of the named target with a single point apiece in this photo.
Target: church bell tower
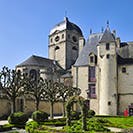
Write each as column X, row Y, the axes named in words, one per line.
column 64, row 43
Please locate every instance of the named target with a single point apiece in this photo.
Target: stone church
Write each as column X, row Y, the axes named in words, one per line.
column 102, row 66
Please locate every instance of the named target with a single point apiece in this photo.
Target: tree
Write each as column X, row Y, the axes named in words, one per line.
column 11, row 85
column 34, row 87
column 65, row 92
column 50, row 93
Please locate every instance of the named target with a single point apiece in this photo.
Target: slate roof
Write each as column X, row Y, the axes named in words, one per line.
column 90, row 47
column 67, row 25
column 107, row 36
column 37, row 61
column 123, row 61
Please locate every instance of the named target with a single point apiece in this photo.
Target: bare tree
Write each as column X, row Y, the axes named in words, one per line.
column 65, row 92
column 34, row 86
column 51, row 94
column 11, row 85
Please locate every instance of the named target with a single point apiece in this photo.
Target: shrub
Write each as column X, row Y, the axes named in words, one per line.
column 18, row 118
column 75, row 115
column 31, row 126
column 91, row 113
column 39, row 116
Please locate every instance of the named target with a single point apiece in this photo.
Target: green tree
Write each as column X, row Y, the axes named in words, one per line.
column 50, row 93
column 11, row 85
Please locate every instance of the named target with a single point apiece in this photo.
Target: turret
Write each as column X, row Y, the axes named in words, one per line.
column 107, row 73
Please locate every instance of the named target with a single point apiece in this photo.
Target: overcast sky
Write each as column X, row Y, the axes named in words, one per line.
column 25, row 24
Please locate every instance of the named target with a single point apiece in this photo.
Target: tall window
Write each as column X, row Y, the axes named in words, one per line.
column 91, row 59
column 92, row 74
column 92, row 90
column 107, row 46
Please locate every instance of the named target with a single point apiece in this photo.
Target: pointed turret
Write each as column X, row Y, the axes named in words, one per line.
column 107, row 36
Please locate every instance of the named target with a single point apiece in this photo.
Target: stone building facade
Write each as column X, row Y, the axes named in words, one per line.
column 102, row 67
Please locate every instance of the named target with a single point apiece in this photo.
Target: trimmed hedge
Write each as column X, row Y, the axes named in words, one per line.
column 39, row 116
column 18, row 118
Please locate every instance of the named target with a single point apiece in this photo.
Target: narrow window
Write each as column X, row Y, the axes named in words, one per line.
column 107, row 56
column 123, row 69
column 107, row 46
column 62, row 36
column 92, row 90
column 74, row 48
column 109, row 103
column 91, row 59
column 92, row 76
column 51, row 40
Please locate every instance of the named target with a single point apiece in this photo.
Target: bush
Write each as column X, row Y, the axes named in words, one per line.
column 5, row 127
column 18, row 118
column 91, row 113
column 75, row 115
column 39, row 116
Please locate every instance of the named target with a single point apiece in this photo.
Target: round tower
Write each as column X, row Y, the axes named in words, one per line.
column 107, row 66
column 64, row 43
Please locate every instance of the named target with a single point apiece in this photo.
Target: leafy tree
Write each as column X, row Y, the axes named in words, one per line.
column 11, row 85
column 34, row 86
column 50, row 93
column 65, row 92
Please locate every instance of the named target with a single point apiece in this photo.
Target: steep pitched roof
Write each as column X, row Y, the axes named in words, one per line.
column 107, row 36
column 90, row 47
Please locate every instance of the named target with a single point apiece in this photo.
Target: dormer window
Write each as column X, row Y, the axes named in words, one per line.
column 107, row 46
column 91, row 59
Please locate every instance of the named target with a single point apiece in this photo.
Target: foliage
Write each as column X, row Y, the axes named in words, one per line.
column 91, row 113
column 31, row 126
column 81, row 101
column 18, row 118
column 6, row 127
column 92, row 125
column 11, row 84
column 34, row 127
column 39, row 116
column 75, row 115
column 65, row 92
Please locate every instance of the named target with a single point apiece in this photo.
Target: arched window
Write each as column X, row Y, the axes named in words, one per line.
column 57, row 48
column 33, row 74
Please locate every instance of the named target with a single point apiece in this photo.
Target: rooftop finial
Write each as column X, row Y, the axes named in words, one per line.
column 66, row 18
column 102, row 29
column 107, row 23
column 90, row 31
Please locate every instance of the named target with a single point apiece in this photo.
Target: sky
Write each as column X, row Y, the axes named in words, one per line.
column 26, row 24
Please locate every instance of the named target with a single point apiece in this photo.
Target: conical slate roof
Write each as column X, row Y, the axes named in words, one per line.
column 107, row 36
column 37, row 61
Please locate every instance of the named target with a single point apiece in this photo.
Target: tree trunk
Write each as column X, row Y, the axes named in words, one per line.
column 51, row 110
column 13, row 105
column 37, row 104
column 64, row 111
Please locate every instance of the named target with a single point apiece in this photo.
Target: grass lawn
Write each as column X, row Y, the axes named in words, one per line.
column 120, row 122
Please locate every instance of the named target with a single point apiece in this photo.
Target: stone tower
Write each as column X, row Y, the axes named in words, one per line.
column 107, row 74
column 64, row 43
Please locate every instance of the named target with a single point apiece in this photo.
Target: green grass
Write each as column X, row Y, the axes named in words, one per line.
column 120, row 122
